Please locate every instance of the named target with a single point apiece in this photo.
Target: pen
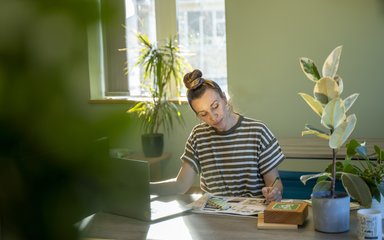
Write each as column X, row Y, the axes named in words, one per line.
column 275, row 181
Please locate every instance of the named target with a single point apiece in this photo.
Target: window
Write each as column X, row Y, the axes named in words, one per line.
column 139, row 17
column 199, row 25
column 201, row 29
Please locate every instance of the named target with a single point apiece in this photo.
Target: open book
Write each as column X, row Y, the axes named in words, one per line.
column 243, row 206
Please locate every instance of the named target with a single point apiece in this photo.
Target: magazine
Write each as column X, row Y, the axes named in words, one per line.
column 243, row 206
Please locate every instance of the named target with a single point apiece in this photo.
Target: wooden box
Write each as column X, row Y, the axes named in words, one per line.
column 286, row 212
column 263, row 225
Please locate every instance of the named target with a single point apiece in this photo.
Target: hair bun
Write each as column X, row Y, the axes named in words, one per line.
column 193, row 79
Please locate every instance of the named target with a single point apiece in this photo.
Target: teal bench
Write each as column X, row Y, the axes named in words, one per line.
column 295, row 189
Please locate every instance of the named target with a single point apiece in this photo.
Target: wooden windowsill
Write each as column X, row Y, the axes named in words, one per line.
column 130, row 100
column 150, row 160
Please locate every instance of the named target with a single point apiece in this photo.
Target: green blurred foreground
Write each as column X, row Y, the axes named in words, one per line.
column 49, row 165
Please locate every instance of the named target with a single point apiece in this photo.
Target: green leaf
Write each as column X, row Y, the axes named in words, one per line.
column 351, row 147
column 331, row 64
column 348, row 102
column 339, row 167
column 137, row 108
column 334, row 114
column 349, row 168
column 372, row 184
column 380, row 187
column 313, row 103
column 342, row 132
column 143, row 39
column 326, row 89
column 322, row 186
column 379, row 152
column 309, row 68
column 305, row 178
column 357, row 188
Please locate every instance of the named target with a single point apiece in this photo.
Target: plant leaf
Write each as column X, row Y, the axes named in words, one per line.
column 333, row 114
column 305, row 178
column 349, row 168
column 379, row 152
column 362, row 150
column 322, row 186
column 316, row 106
column 339, row 167
column 310, row 130
column 162, row 66
column 309, row 68
column 326, row 89
column 380, row 187
column 357, row 188
column 339, row 81
column 342, row 132
column 348, row 102
column 351, row 147
column 137, row 108
column 331, row 64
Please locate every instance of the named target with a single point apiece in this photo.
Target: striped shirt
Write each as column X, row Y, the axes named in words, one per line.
column 232, row 163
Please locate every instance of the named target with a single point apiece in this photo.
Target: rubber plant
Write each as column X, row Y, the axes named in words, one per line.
column 337, row 125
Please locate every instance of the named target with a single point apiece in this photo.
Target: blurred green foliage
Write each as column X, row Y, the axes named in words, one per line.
column 49, row 165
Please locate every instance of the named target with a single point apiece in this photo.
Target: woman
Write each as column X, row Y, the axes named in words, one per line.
column 234, row 155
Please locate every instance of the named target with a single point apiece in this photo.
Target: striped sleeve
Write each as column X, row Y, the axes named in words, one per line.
column 190, row 155
column 271, row 155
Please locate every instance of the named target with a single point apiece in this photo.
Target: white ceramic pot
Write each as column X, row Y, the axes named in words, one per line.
column 378, row 205
column 330, row 215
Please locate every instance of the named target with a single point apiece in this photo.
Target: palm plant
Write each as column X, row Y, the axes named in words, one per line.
column 163, row 67
column 160, row 65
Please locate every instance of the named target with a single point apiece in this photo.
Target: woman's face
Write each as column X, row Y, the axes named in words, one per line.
column 212, row 109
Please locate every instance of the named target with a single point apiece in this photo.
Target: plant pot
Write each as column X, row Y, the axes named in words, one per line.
column 152, row 144
column 330, row 215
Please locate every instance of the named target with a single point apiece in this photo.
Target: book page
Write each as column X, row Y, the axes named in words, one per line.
column 244, row 206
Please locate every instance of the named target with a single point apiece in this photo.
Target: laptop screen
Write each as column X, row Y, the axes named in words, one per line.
column 127, row 189
column 127, row 193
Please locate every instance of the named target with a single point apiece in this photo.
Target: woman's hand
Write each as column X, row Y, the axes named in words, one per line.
column 275, row 187
column 271, row 194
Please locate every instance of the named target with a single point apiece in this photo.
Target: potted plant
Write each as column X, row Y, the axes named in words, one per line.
column 330, row 208
column 370, row 168
column 163, row 67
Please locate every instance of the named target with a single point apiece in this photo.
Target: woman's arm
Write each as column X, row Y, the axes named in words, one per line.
column 274, row 193
column 179, row 185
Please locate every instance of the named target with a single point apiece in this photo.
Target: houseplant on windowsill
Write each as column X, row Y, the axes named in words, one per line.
column 163, row 67
column 330, row 208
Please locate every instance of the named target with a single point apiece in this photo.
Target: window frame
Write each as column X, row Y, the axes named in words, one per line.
column 108, row 34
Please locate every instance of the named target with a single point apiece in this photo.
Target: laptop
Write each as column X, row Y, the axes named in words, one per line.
column 127, row 193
